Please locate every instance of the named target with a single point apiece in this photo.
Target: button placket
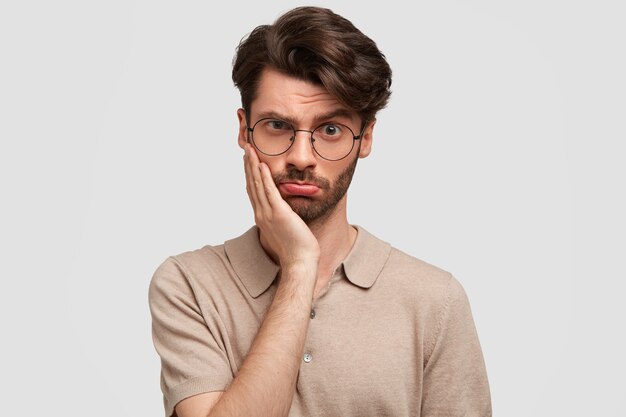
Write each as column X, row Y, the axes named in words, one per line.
column 308, row 357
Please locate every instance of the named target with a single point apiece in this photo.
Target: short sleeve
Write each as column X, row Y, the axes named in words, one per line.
column 193, row 358
column 455, row 378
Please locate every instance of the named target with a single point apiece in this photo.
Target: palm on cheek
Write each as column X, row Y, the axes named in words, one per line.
column 286, row 233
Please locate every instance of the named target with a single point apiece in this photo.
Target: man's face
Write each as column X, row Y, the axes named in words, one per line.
column 312, row 186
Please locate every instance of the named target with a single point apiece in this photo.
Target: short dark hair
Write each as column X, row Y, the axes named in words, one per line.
column 316, row 45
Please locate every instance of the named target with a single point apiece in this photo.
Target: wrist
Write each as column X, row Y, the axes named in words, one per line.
column 301, row 265
column 301, row 274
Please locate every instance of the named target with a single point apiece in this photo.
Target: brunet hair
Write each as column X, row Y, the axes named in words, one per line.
column 316, row 45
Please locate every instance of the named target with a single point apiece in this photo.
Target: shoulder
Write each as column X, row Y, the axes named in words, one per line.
column 204, row 259
column 419, row 282
column 185, row 271
column 410, row 270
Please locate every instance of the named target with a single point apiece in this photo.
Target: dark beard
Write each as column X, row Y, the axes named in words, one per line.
column 309, row 209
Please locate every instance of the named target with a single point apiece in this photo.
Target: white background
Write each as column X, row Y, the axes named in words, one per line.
column 500, row 158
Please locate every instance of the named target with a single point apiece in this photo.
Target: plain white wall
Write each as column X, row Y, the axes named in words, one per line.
column 499, row 158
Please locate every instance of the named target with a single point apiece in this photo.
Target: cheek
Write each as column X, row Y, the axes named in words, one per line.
column 333, row 173
column 274, row 164
column 335, row 169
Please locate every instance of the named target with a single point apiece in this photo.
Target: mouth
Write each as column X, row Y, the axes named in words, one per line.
column 298, row 188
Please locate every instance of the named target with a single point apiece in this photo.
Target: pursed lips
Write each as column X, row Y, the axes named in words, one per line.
column 298, row 188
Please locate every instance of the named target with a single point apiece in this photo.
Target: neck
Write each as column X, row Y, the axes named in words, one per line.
column 335, row 237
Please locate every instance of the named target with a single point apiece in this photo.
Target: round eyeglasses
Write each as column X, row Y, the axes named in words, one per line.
column 331, row 141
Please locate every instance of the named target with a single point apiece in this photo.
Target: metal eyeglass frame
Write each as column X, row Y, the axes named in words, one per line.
column 311, row 141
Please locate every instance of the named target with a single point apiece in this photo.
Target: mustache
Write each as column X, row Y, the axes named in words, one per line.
column 294, row 174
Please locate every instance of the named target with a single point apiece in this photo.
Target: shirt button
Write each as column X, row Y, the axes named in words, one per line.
column 312, row 314
column 308, row 357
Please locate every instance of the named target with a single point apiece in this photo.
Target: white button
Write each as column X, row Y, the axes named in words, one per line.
column 312, row 314
column 308, row 357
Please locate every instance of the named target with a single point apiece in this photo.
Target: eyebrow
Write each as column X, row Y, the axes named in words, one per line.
column 341, row 113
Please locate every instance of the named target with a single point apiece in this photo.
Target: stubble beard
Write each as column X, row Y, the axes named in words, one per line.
column 312, row 210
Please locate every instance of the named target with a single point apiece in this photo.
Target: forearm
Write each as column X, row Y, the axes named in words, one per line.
column 266, row 381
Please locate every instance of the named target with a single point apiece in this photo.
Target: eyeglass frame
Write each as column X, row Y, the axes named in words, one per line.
column 250, row 131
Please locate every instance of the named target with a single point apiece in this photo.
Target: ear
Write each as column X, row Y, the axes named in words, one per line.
column 242, row 137
column 366, row 139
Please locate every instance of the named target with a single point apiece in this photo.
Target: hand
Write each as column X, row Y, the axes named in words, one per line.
column 288, row 237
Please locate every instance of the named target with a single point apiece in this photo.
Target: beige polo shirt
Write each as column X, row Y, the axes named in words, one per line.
column 391, row 335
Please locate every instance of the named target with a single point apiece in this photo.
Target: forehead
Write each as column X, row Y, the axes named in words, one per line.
column 296, row 99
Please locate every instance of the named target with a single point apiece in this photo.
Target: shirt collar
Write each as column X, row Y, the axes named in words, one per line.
column 251, row 263
column 367, row 259
column 257, row 270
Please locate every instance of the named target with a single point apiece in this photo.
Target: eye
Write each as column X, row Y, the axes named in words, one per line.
column 277, row 125
column 330, row 130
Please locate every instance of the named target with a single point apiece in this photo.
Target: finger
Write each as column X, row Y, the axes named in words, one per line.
column 258, row 181
column 271, row 192
column 249, row 188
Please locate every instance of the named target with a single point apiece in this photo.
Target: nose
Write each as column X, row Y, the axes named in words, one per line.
column 301, row 154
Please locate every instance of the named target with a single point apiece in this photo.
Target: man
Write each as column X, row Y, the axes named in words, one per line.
column 305, row 314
